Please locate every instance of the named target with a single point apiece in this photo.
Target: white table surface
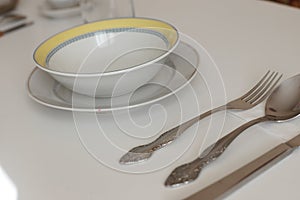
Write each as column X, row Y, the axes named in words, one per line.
column 44, row 157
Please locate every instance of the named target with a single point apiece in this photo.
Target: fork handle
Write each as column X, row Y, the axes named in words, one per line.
column 216, row 149
column 172, row 134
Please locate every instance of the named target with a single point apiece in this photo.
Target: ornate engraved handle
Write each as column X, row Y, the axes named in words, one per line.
column 143, row 152
column 189, row 172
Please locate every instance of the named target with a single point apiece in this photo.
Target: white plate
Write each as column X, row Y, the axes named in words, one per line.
column 50, row 12
column 176, row 73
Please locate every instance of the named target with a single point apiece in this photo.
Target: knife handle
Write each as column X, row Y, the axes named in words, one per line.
column 244, row 174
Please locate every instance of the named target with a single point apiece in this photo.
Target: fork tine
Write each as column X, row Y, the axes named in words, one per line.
column 256, row 86
column 267, row 93
column 262, row 89
column 262, row 86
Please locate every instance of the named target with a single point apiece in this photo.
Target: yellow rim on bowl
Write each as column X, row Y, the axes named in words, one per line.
column 168, row 31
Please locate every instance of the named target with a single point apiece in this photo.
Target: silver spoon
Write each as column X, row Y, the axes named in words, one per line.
column 283, row 104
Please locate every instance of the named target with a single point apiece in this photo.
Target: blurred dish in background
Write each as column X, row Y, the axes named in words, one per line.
column 7, row 5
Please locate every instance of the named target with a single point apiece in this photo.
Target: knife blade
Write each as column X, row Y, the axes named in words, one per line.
column 249, row 171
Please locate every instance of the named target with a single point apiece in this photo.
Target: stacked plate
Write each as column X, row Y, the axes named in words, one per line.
column 111, row 65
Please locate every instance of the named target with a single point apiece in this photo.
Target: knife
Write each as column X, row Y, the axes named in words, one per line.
column 15, row 28
column 244, row 174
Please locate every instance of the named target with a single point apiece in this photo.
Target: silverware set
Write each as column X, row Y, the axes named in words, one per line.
column 282, row 104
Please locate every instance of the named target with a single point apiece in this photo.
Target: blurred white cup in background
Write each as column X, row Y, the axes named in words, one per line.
column 59, row 4
column 94, row 10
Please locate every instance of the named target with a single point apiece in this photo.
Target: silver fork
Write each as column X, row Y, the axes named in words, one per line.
column 253, row 97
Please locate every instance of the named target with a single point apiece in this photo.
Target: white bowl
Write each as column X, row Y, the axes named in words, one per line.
column 107, row 58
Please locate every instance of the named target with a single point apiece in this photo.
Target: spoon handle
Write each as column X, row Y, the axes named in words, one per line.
column 190, row 171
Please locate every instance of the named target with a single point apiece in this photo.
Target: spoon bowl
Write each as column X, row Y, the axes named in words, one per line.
column 284, row 102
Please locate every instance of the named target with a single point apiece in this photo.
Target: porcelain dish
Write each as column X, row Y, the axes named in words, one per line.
column 109, row 57
column 177, row 72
